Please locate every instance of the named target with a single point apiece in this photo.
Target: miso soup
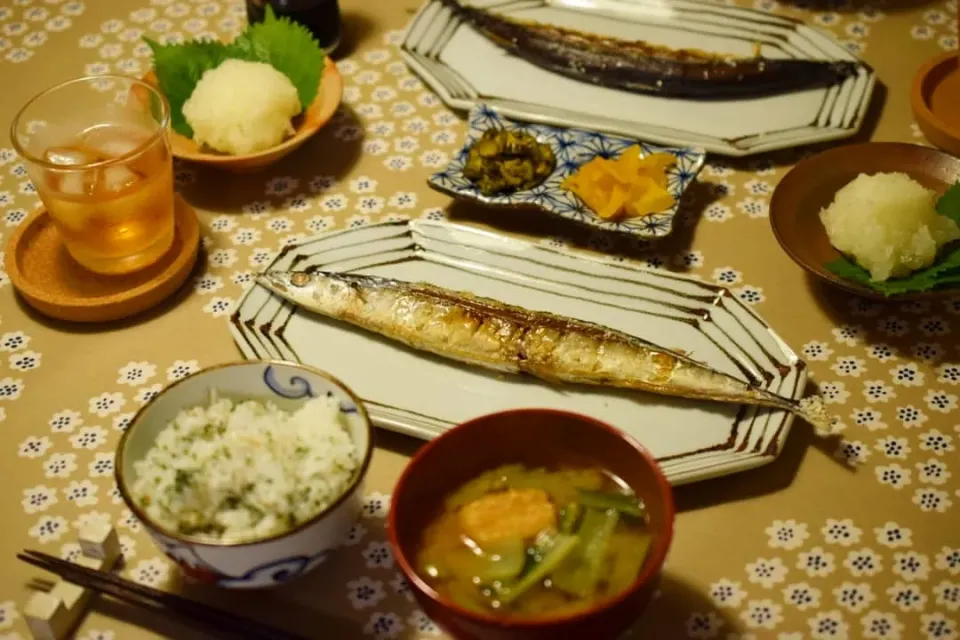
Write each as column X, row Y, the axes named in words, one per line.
column 530, row 542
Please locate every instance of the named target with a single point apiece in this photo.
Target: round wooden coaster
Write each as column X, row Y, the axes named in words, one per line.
column 54, row 284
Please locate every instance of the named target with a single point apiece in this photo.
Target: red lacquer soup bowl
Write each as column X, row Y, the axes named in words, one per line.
column 534, row 438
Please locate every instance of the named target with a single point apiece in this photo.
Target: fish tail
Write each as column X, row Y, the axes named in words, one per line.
column 812, row 409
column 836, row 70
column 846, row 68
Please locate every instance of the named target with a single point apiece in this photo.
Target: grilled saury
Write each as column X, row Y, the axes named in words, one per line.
column 507, row 338
column 644, row 68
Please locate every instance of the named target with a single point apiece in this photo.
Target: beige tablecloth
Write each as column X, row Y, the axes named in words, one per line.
column 858, row 537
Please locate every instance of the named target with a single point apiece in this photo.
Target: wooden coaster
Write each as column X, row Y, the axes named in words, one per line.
column 54, row 284
column 934, row 98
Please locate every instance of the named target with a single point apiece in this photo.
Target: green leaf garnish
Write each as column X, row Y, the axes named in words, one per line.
column 289, row 48
column 285, row 45
column 946, row 270
column 949, row 203
column 179, row 68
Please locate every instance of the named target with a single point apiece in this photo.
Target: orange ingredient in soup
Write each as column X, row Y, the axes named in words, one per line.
column 514, row 513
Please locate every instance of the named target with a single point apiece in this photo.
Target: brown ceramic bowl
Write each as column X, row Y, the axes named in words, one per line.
column 534, row 437
column 934, row 98
column 812, row 184
column 306, row 125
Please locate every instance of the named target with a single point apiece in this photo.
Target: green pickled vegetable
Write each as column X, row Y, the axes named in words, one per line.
column 504, row 161
column 626, row 504
column 554, row 551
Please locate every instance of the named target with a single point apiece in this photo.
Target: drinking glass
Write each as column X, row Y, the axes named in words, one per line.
column 98, row 152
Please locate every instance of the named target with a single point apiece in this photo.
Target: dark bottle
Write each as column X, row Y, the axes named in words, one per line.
column 321, row 17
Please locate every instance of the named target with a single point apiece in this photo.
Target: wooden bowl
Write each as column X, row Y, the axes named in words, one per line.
column 307, row 124
column 812, row 184
column 934, row 99
column 540, row 438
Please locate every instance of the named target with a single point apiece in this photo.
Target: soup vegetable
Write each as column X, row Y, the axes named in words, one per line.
column 527, row 542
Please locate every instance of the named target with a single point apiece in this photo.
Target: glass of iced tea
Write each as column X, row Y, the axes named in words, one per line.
column 98, row 151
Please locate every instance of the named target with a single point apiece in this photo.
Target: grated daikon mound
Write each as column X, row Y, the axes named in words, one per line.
column 242, row 107
column 888, row 223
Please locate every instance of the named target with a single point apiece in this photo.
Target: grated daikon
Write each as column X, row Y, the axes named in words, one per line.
column 888, row 223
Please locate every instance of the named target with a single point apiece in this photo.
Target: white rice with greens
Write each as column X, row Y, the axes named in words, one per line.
column 242, row 471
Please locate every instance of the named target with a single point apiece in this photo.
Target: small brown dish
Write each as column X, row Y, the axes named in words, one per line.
column 534, row 438
column 306, row 125
column 934, row 98
column 812, row 184
column 52, row 282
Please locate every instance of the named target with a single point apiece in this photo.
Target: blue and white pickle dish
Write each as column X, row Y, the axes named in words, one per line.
column 572, row 148
column 276, row 559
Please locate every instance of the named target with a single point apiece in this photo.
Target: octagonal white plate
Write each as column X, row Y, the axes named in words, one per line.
column 464, row 68
column 421, row 395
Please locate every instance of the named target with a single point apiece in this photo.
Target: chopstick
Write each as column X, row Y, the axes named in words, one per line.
column 159, row 601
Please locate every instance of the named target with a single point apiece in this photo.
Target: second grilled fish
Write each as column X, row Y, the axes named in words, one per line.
column 643, row 68
column 502, row 337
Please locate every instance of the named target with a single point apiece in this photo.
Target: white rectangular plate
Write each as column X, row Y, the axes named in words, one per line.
column 422, row 395
column 464, row 68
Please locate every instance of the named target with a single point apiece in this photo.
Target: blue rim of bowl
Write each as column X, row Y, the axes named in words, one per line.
column 358, row 477
column 549, row 196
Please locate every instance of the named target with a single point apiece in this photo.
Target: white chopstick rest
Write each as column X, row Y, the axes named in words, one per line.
column 99, row 541
column 53, row 614
column 47, row 616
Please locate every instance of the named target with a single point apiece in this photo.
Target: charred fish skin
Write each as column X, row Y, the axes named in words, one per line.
column 641, row 68
column 506, row 338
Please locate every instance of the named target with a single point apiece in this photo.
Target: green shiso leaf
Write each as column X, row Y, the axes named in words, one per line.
column 283, row 44
column 179, row 68
column 949, row 203
column 946, row 270
column 289, row 48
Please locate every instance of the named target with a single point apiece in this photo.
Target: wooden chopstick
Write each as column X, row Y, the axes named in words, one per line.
column 160, row 601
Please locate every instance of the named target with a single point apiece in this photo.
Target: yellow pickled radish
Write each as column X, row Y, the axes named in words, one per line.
column 630, row 186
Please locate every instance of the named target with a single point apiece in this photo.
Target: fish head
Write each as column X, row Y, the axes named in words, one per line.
column 284, row 282
column 315, row 290
column 296, row 286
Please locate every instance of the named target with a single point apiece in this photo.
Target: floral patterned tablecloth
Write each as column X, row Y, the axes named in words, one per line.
column 857, row 537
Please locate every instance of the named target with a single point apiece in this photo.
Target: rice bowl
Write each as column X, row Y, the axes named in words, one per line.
column 240, row 471
column 232, row 545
